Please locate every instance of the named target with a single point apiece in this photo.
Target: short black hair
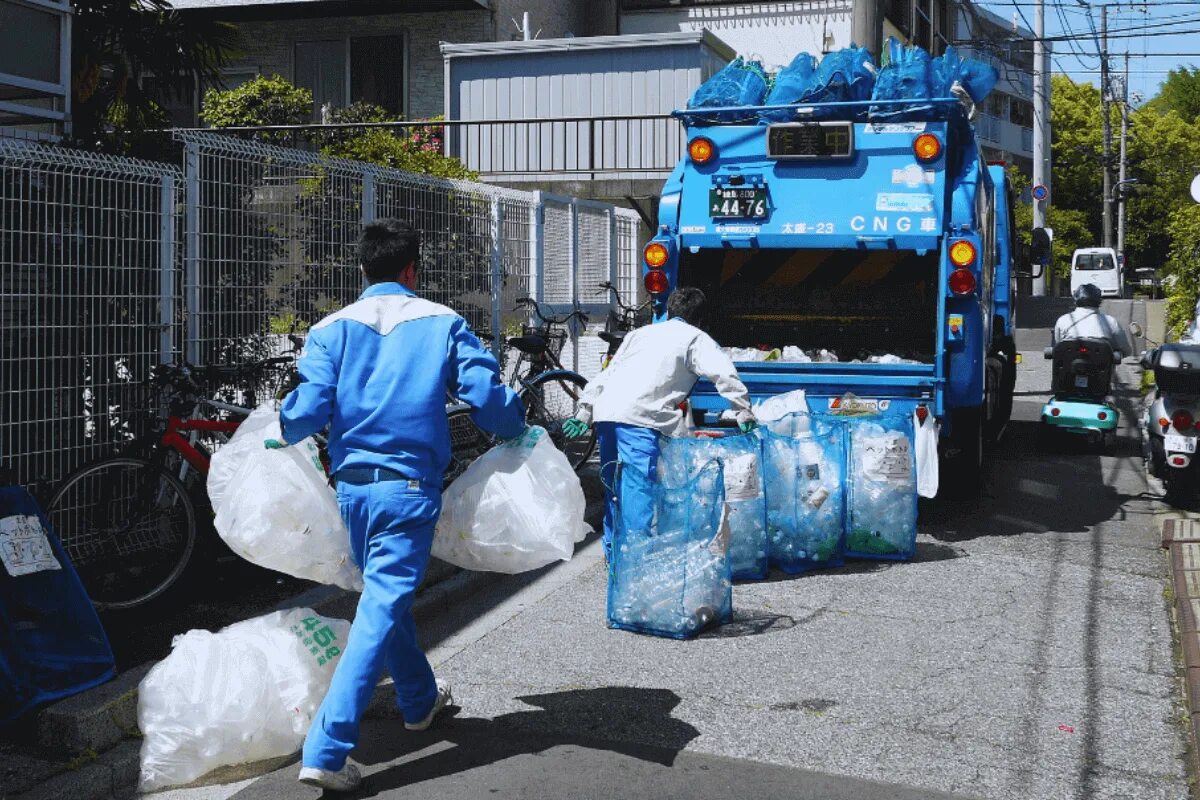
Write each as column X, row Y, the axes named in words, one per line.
column 687, row 303
column 386, row 247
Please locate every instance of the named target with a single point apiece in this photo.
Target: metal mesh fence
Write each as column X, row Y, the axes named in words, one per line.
column 89, row 301
column 108, row 266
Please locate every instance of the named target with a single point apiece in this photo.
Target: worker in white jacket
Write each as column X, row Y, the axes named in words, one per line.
column 639, row 395
column 1087, row 321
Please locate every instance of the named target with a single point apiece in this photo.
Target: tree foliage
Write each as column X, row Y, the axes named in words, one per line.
column 262, row 101
column 1180, row 93
column 116, row 44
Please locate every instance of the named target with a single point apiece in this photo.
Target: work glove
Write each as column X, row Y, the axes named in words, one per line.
column 746, row 427
column 574, row 428
column 274, row 444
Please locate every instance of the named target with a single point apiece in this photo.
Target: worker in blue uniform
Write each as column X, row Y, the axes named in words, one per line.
column 638, row 397
column 377, row 373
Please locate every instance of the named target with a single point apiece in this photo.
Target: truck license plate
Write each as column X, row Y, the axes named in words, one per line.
column 737, row 203
column 1180, row 444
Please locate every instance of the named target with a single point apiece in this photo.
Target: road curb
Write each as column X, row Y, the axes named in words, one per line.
column 1181, row 540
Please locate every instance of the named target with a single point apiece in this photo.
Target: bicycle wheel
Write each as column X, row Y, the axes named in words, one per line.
column 128, row 526
column 467, row 443
column 550, row 400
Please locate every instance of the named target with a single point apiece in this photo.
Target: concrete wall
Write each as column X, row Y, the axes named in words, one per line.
column 771, row 32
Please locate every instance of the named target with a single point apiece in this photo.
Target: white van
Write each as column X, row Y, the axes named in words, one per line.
column 1098, row 265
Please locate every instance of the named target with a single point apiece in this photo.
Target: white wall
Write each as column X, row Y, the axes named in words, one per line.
column 771, row 32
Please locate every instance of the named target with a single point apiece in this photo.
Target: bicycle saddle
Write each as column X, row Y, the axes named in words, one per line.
column 616, row 337
column 531, row 345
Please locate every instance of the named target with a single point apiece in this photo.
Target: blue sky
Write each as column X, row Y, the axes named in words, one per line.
column 1157, row 34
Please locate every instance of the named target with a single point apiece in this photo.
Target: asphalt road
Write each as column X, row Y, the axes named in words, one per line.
column 1025, row 653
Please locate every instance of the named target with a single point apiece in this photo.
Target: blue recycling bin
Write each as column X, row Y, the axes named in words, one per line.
column 51, row 642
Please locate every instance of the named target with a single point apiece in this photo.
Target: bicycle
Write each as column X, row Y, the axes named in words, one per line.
column 549, row 391
column 129, row 522
column 620, row 321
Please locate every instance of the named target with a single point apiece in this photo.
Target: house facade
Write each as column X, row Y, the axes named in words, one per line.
column 384, row 52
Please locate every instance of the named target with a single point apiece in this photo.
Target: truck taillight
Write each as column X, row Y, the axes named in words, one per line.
column 701, row 150
column 656, row 255
column 962, row 281
column 656, row 281
column 962, row 253
column 927, row 147
column 1182, row 420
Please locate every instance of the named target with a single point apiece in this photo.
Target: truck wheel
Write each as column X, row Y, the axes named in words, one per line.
column 965, row 471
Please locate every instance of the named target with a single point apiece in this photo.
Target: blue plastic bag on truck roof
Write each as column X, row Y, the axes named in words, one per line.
column 739, row 83
column 976, row 78
column 905, row 76
column 844, row 76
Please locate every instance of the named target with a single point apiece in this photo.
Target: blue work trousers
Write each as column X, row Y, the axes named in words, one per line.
column 636, row 448
column 391, row 531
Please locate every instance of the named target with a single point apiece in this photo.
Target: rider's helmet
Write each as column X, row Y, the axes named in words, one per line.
column 1087, row 296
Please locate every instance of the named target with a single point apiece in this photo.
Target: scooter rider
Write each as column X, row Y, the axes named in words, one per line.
column 377, row 373
column 1087, row 321
column 637, row 397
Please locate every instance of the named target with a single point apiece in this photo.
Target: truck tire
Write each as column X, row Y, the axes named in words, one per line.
column 964, row 471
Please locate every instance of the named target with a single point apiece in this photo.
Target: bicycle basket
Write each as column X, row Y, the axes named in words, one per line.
column 555, row 338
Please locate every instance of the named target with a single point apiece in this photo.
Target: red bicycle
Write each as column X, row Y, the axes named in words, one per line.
column 129, row 522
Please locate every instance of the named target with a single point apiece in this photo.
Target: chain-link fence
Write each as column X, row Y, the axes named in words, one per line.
column 89, row 300
column 109, row 265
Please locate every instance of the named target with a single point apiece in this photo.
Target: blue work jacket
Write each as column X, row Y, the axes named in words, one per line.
column 377, row 373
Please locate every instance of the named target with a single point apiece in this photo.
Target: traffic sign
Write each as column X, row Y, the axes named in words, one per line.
column 1040, row 192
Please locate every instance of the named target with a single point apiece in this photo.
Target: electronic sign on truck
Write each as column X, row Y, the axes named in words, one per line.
column 873, row 256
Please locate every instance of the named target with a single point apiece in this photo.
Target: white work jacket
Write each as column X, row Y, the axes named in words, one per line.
column 1090, row 323
column 654, row 371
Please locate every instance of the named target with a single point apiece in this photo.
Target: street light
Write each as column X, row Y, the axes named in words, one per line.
column 1116, row 189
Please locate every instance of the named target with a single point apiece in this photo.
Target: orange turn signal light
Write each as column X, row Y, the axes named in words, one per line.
column 962, row 253
column 656, row 255
column 701, row 150
column 927, row 147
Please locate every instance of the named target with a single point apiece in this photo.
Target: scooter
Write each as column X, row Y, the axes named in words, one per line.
column 1082, row 381
column 1172, row 420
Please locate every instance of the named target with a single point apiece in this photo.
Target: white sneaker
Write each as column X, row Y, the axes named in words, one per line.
column 444, row 698
column 346, row 779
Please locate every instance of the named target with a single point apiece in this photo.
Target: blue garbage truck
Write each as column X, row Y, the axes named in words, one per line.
column 864, row 247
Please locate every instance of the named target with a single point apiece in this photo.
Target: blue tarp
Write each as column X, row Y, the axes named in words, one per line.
column 51, row 642
column 670, row 574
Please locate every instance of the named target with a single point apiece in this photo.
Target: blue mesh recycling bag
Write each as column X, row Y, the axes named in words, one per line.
column 883, row 488
column 741, row 462
column 976, row 77
column 802, row 464
column 844, row 76
column 51, row 641
column 739, row 83
column 669, row 574
column 904, row 76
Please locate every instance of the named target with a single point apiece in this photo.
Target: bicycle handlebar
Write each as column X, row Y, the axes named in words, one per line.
column 537, row 310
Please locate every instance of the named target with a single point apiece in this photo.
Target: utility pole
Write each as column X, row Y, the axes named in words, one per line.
column 1041, row 118
column 1107, row 123
column 1121, row 183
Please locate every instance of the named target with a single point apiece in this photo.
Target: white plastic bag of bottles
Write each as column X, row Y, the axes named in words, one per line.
column 517, row 508
column 926, row 443
column 246, row 693
column 740, row 455
column 670, row 573
column 804, row 464
column 883, row 492
column 275, row 508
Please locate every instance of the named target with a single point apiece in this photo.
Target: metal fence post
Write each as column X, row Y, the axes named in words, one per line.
column 166, row 270
column 497, row 272
column 573, row 279
column 614, row 270
column 191, row 258
column 537, row 249
column 369, row 200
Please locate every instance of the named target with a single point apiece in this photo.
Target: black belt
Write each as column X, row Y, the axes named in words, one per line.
column 358, row 476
